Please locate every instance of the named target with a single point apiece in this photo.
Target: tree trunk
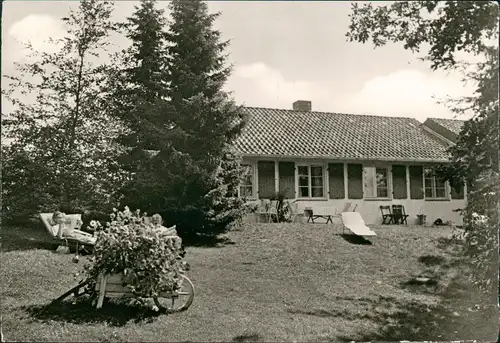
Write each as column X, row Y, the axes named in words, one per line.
column 77, row 102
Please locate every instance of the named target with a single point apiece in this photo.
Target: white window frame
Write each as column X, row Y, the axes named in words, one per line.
column 374, row 186
column 309, row 181
column 252, row 178
column 433, row 186
column 387, row 173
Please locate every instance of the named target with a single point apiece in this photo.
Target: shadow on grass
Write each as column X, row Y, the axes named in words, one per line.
column 21, row 238
column 254, row 337
column 429, row 287
column 20, row 244
column 354, row 239
column 113, row 313
column 449, row 320
column 431, row 260
column 315, row 312
column 413, row 321
column 410, row 321
column 397, row 320
column 450, row 244
column 430, row 279
column 207, row 241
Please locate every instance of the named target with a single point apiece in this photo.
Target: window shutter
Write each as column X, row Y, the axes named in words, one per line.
column 416, row 182
column 457, row 194
column 336, row 180
column 355, row 181
column 399, row 182
column 287, row 179
column 266, row 179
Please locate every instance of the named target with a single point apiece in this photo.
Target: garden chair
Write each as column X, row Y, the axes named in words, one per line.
column 386, row 214
column 267, row 208
column 76, row 222
column 261, row 210
column 355, row 223
column 293, row 208
column 399, row 214
column 272, row 209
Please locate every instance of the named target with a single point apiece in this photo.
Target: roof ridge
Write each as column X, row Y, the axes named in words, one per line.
column 324, row 112
column 448, row 119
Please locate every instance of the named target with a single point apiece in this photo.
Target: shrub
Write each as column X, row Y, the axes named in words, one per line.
column 199, row 200
column 129, row 244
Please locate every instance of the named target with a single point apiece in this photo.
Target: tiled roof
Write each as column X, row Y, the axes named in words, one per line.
column 453, row 125
column 287, row 133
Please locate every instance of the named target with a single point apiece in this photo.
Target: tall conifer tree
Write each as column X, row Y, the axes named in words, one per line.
column 193, row 178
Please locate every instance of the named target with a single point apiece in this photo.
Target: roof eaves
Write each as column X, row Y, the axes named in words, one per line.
column 335, row 158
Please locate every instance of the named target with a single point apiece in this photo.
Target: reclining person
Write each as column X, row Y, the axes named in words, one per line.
column 157, row 221
column 65, row 229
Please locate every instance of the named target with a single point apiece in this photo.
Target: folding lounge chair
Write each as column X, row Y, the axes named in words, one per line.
column 76, row 222
column 355, row 223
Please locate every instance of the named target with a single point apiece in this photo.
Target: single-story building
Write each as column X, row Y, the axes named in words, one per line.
column 325, row 160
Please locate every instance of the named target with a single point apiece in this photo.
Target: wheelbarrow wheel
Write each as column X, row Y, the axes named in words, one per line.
column 179, row 300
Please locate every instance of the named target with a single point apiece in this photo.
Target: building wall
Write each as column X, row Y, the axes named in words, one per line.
column 368, row 207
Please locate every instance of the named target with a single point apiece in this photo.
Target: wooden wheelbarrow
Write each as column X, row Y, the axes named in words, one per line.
column 112, row 286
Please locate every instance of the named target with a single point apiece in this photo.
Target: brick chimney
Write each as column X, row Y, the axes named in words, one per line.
column 302, row 105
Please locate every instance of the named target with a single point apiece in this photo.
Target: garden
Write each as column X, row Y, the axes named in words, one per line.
column 263, row 282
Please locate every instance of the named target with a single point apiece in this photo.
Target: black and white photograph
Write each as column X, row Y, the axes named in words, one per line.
column 249, row 171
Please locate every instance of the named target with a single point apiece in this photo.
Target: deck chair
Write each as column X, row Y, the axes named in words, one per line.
column 399, row 214
column 76, row 222
column 386, row 214
column 261, row 210
column 355, row 223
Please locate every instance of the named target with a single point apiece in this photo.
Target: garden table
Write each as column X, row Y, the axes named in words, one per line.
column 311, row 216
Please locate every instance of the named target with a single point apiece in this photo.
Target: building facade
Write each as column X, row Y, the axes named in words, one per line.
column 324, row 160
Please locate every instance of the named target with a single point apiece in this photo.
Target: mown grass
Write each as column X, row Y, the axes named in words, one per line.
column 275, row 282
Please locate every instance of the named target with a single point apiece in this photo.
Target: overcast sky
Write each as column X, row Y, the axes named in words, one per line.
column 282, row 52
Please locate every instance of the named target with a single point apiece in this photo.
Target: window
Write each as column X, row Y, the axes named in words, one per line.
column 376, row 182
column 434, row 187
column 382, row 184
column 246, row 184
column 310, row 181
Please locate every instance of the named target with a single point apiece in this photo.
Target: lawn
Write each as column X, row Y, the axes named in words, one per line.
column 272, row 283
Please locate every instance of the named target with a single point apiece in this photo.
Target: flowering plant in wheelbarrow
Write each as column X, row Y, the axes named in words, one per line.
column 151, row 263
